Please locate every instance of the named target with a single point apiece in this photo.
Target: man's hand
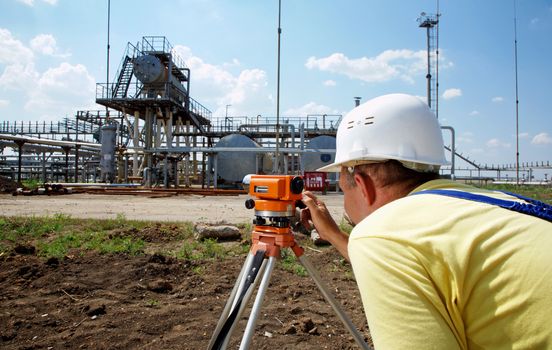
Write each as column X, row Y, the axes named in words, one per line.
column 317, row 213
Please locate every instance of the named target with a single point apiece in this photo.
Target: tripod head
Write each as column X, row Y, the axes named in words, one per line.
column 277, row 196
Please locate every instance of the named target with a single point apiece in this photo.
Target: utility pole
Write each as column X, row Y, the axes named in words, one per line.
column 517, row 96
column 277, row 163
column 430, row 22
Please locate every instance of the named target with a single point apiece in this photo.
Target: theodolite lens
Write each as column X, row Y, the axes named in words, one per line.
column 296, row 185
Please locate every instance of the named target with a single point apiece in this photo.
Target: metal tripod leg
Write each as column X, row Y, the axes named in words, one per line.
column 238, row 286
column 244, row 303
column 331, row 300
column 255, row 310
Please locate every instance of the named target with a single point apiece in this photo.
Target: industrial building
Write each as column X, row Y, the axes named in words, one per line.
column 152, row 132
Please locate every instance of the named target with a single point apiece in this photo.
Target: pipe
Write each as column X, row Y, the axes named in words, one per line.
column 452, row 150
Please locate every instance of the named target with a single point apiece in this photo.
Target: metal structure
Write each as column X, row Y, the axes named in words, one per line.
column 151, row 90
column 160, row 136
column 431, row 24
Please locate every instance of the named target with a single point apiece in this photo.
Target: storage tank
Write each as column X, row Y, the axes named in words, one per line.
column 233, row 166
column 315, row 160
column 151, row 71
column 107, row 160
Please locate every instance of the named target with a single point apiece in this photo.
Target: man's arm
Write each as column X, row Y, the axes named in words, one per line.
column 326, row 226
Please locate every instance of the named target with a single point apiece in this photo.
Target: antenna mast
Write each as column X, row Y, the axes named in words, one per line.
column 108, row 25
column 277, row 163
column 430, row 22
column 517, row 96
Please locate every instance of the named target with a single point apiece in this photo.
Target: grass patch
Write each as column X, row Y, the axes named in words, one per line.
column 289, row 262
column 31, row 184
column 16, row 228
column 204, row 250
column 541, row 193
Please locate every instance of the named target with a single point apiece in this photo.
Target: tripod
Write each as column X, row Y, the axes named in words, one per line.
column 267, row 241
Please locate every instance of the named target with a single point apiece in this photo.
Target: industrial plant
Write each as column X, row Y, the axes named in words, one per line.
column 151, row 132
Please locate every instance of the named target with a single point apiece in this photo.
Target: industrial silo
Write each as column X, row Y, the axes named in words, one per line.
column 109, row 144
column 234, row 165
column 314, row 160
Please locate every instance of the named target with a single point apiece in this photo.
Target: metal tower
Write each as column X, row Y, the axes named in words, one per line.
column 431, row 24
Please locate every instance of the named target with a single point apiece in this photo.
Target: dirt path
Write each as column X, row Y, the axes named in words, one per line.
column 193, row 208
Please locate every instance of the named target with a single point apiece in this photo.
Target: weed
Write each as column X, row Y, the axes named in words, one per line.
column 188, row 251
column 198, row 270
column 31, row 184
column 212, row 249
column 207, row 249
column 59, row 246
column 290, row 263
column 152, row 303
column 126, row 245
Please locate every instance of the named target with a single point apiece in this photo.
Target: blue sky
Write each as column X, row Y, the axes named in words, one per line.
column 53, row 52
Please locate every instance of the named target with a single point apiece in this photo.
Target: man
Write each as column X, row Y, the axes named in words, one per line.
column 434, row 272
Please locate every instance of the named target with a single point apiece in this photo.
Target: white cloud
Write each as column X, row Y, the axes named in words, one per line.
column 474, row 113
column 4, row 103
column 19, row 77
column 452, row 93
column 541, row 139
column 12, row 51
column 330, row 83
column 63, row 90
column 46, row 45
column 247, row 91
column 496, row 143
column 309, row 108
column 32, row 2
column 390, row 64
column 497, row 99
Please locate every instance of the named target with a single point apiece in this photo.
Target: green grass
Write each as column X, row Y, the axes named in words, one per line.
column 541, row 193
column 57, row 235
column 208, row 249
column 32, row 184
column 289, row 262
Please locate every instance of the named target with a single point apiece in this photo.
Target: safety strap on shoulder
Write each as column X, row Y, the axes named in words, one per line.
column 530, row 207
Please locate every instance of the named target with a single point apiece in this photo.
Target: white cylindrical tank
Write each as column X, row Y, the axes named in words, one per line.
column 233, row 166
column 315, row 160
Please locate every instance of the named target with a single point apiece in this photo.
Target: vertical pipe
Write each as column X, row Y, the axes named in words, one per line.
column 66, row 149
column 19, row 159
column 437, row 65
column 107, row 70
column 517, row 96
column 76, row 163
column 277, row 164
column 428, row 76
column 215, row 166
column 43, row 166
column 135, row 143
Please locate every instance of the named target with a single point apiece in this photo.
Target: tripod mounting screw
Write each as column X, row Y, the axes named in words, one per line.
column 250, row 204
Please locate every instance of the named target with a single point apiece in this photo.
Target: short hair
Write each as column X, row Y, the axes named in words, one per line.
column 389, row 173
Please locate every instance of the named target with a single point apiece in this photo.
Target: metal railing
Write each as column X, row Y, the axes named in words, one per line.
column 322, row 122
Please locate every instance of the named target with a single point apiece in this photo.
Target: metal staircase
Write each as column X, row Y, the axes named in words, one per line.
column 123, row 81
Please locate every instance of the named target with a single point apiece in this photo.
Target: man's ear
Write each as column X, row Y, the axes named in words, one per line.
column 367, row 187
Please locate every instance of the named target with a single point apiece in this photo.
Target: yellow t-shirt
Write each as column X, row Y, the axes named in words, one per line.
column 437, row 272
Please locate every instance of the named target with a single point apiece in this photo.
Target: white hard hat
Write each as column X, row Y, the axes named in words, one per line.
column 395, row 126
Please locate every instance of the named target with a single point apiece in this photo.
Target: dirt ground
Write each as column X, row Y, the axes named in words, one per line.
column 193, row 208
column 150, row 301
